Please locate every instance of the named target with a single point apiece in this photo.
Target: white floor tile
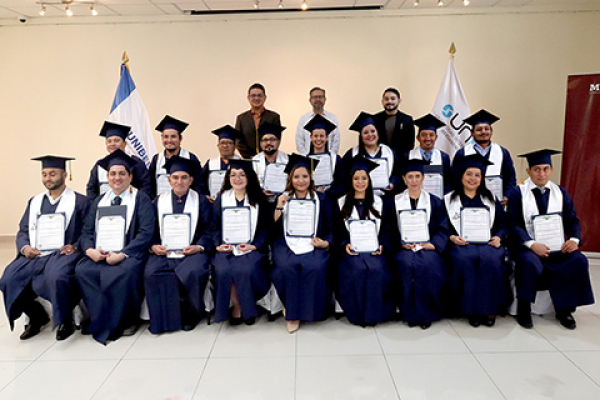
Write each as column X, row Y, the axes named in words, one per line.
column 152, row 379
column 13, row 349
column 539, row 376
column 48, row 380
column 9, row 370
column 247, row 378
column 587, row 361
column 441, row 376
column 344, row 377
column 585, row 337
column 333, row 337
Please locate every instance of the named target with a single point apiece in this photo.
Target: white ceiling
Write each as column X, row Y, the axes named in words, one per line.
column 140, row 8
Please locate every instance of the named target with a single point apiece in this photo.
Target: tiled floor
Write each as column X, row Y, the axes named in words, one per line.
column 330, row 360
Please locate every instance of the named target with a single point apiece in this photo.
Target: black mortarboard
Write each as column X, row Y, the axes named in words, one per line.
column 227, row 132
column 177, row 163
column 269, row 128
column 320, row 122
column 113, row 129
column 481, row 117
column 241, row 164
column 472, row 161
column 361, row 121
column 296, row 160
column 53, row 161
column 169, row 122
column 539, row 157
column 360, row 163
column 117, row 157
column 413, row 165
column 429, row 123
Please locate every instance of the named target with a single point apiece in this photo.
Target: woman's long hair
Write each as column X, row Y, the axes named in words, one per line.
column 253, row 190
column 350, row 201
column 482, row 190
column 289, row 188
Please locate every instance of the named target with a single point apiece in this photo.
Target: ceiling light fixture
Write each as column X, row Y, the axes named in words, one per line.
column 440, row 3
column 43, row 10
column 416, row 3
column 68, row 11
column 466, row 2
column 304, row 6
column 280, row 6
column 256, row 5
column 93, row 10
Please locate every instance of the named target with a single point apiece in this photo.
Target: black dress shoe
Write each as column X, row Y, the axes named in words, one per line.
column 65, row 330
column 250, row 321
column 489, row 321
column 188, row 327
column 412, row 324
column 567, row 320
column 35, row 326
column 425, row 325
column 130, row 330
column 525, row 320
column 474, row 321
column 235, row 321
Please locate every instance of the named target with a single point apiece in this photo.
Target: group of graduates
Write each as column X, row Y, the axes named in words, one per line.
column 417, row 281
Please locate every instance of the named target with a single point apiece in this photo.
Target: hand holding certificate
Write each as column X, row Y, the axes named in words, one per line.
column 236, row 225
column 110, row 228
column 494, row 185
column 176, row 233
column 548, row 230
column 300, row 218
column 323, row 174
column 50, row 232
column 363, row 236
column 413, row 226
column 275, row 178
column 475, row 224
column 380, row 176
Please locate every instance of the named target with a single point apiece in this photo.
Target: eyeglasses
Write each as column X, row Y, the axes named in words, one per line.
column 270, row 140
column 256, row 96
column 226, row 143
column 318, row 96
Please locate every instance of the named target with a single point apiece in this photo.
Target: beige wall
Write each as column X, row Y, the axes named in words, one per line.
column 57, row 82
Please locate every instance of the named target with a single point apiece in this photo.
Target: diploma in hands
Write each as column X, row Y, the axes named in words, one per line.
column 494, row 185
column 323, row 174
column 300, row 217
column 475, row 224
column 176, row 233
column 413, row 226
column 215, row 181
column 380, row 176
column 50, row 232
column 548, row 230
column 433, row 181
column 363, row 236
column 275, row 178
column 235, row 223
column 162, row 184
column 110, row 228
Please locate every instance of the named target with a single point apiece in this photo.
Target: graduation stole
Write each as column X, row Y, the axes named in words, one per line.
column 160, row 163
column 377, row 205
column 260, row 164
column 530, row 208
column 164, row 205
column 402, row 202
column 301, row 245
column 386, row 152
column 495, row 157
column 453, row 206
column 129, row 200
column 66, row 205
column 436, row 156
column 214, row 164
column 228, row 200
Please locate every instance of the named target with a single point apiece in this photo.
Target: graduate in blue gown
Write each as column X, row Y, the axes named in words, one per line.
column 175, row 278
column 111, row 281
column 363, row 278
column 479, row 278
column 48, row 274
column 226, row 136
column 418, row 266
column 300, row 271
column 563, row 271
column 241, row 275
column 114, row 138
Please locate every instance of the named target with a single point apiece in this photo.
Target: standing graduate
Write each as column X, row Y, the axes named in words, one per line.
column 111, row 279
column 39, row 271
column 241, row 276
column 562, row 268
column 417, row 264
column 175, row 278
column 479, row 275
column 363, row 284
column 301, row 254
column 216, row 166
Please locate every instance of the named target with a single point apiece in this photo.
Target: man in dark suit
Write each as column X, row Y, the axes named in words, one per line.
column 395, row 128
column 247, row 122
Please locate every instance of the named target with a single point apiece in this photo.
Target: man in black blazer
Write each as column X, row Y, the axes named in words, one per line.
column 247, row 122
column 395, row 128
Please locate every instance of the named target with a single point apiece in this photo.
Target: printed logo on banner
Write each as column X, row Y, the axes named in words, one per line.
column 448, row 110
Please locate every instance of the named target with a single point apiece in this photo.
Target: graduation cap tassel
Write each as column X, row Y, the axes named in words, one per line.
column 70, row 170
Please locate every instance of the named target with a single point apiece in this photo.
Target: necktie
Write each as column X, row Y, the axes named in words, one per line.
column 427, row 156
column 541, row 200
column 116, row 201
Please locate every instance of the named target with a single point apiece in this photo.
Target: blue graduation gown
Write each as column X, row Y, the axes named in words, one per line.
column 247, row 273
column 113, row 293
column 566, row 276
column 196, row 185
column 479, row 277
column 395, row 177
column 167, row 280
column 421, row 275
column 302, row 280
column 141, row 179
column 52, row 277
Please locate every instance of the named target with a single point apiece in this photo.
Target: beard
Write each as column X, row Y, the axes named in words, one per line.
column 54, row 185
column 270, row 152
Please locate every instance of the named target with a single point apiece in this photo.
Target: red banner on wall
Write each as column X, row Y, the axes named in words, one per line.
column 581, row 154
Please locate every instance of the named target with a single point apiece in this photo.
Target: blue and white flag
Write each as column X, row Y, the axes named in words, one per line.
column 128, row 109
column 451, row 107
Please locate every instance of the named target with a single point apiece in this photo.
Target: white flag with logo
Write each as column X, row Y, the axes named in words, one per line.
column 128, row 109
column 451, row 107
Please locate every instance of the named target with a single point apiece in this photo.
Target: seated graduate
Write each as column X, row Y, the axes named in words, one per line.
column 328, row 176
column 171, row 135
column 116, row 237
column 502, row 164
column 45, row 262
column 426, row 151
column 115, row 136
column 177, row 273
column 547, row 249
column 269, row 141
column 241, row 227
column 215, row 168
column 416, row 233
column 479, row 281
column 303, row 233
column 369, row 146
column 363, row 284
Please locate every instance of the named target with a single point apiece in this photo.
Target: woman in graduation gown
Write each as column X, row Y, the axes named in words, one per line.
column 418, row 266
column 241, row 276
column 175, row 280
column 363, row 284
column 479, row 277
column 370, row 147
column 300, row 263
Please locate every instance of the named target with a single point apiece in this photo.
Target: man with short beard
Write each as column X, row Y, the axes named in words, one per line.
column 270, row 139
column 396, row 129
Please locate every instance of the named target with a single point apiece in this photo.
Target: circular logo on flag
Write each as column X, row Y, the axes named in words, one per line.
column 447, row 111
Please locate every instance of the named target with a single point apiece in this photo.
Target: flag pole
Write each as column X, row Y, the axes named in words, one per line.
column 125, row 59
column 452, row 50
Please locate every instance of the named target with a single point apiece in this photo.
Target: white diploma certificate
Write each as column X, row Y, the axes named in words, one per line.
column 110, row 233
column 300, row 217
column 50, row 232
column 275, row 178
column 494, row 185
column 413, row 226
column 363, row 235
column 323, row 174
column 380, row 176
column 215, row 181
column 235, row 225
column 434, row 183
column 176, row 233
column 548, row 230
column 475, row 224
column 162, row 184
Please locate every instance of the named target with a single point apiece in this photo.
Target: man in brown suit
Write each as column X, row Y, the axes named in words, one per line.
column 247, row 122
